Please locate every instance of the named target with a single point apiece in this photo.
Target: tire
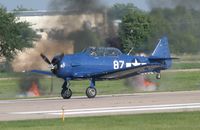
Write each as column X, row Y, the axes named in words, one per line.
column 158, row 76
column 91, row 92
column 66, row 93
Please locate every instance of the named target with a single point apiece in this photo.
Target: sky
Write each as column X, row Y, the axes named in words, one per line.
column 43, row 4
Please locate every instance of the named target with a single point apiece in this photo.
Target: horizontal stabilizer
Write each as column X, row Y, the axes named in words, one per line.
column 159, row 58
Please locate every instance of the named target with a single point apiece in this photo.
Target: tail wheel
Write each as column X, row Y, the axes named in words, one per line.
column 158, row 76
column 91, row 92
column 66, row 93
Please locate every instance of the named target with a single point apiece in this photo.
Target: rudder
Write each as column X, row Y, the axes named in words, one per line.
column 162, row 49
column 162, row 52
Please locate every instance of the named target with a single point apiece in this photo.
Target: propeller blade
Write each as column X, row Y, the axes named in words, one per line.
column 45, row 59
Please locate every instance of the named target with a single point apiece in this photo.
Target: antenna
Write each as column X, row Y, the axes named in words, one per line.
column 130, row 51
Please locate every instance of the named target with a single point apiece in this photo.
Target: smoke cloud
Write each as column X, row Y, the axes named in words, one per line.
column 71, row 17
column 30, row 58
column 86, row 24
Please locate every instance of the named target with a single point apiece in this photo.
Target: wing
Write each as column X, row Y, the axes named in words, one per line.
column 43, row 72
column 128, row 72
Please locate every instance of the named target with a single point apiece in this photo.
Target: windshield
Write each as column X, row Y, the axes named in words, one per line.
column 101, row 51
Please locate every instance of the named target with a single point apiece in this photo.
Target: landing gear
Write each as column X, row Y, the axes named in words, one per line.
column 91, row 91
column 66, row 92
column 158, row 76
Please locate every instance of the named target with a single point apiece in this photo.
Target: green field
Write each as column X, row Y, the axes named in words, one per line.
column 186, row 62
column 186, row 65
column 158, row 121
column 170, row 81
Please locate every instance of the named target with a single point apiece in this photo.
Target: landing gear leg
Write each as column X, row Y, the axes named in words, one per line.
column 158, row 76
column 91, row 91
column 66, row 92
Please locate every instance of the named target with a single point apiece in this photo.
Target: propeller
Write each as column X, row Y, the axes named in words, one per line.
column 45, row 59
column 54, row 64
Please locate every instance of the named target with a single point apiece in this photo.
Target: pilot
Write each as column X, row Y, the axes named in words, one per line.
column 113, row 53
column 93, row 52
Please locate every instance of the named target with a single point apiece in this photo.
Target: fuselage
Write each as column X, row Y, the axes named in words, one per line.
column 84, row 64
column 87, row 63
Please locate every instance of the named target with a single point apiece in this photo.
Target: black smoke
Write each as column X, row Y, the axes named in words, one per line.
column 80, row 32
column 27, row 81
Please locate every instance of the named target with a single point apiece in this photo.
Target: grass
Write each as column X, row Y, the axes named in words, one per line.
column 11, row 74
column 11, row 88
column 8, row 88
column 170, row 81
column 186, row 65
column 179, row 81
column 188, row 57
column 157, row 121
column 187, row 61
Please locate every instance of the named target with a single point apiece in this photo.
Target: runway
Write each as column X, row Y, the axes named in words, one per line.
column 44, row 108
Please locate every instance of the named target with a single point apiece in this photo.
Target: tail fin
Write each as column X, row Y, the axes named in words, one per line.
column 161, row 53
column 162, row 49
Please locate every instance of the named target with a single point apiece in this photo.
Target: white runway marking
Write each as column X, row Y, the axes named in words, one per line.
column 148, row 108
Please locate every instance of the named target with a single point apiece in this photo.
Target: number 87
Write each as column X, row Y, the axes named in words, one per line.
column 118, row 64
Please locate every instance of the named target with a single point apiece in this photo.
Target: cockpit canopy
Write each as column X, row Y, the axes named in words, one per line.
column 102, row 51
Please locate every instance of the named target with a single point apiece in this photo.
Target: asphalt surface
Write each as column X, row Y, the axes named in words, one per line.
column 44, row 108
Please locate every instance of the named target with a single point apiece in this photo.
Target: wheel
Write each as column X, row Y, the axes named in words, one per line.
column 66, row 93
column 158, row 76
column 91, row 92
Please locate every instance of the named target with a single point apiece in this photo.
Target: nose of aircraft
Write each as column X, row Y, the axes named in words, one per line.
column 55, row 62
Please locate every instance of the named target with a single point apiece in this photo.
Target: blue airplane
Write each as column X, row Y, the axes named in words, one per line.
column 105, row 63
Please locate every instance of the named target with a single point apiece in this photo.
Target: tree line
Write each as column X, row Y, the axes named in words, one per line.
column 138, row 30
column 141, row 30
